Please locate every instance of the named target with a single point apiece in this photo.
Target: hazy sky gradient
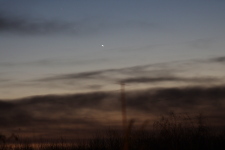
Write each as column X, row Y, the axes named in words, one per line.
column 50, row 39
column 57, row 79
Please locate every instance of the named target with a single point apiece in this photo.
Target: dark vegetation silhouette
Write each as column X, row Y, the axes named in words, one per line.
column 174, row 132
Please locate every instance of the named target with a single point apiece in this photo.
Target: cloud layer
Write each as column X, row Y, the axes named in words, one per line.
column 19, row 25
column 205, row 72
column 93, row 111
column 173, row 73
column 81, row 27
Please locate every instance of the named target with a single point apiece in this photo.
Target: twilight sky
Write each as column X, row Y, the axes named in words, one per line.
column 50, row 47
column 170, row 54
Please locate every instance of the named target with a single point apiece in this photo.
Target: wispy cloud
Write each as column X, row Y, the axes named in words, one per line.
column 205, row 43
column 19, row 25
column 49, row 62
column 219, row 59
column 80, row 27
column 153, row 73
column 83, row 75
column 172, row 74
column 166, row 78
column 126, row 75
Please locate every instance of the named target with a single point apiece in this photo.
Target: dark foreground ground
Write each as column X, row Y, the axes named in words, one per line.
column 170, row 133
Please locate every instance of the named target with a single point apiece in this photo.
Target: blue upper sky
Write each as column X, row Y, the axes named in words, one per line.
column 48, row 39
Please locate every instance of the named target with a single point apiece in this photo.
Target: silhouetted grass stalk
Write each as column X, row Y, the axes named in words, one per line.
column 174, row 132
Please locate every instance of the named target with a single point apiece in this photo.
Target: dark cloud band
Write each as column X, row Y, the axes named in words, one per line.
column 75, row 110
